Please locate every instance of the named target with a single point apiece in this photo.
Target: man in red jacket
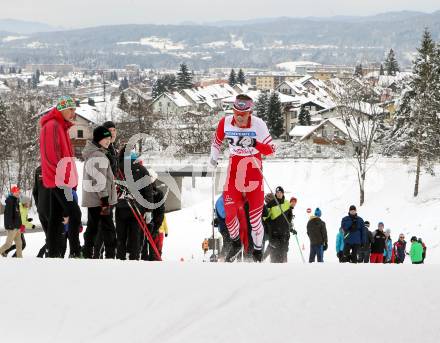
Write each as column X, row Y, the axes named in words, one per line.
column 60, row 176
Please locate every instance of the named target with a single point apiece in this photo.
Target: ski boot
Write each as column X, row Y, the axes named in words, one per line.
column 257, row 255
column 234, row 251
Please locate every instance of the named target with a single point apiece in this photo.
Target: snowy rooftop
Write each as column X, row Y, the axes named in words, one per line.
column 178, row 99
column 300, row 131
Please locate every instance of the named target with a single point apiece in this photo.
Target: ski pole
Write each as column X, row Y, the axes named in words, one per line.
column 276, row 200
column 213, row 211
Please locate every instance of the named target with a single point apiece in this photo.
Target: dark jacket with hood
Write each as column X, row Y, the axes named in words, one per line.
column 317, row 231
column 159, row 212
column 278, row 226
column 354, row 230
column 12, row 213
column 138, row 172
column 378, row 245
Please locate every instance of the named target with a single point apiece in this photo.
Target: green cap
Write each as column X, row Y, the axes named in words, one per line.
column 65, row 102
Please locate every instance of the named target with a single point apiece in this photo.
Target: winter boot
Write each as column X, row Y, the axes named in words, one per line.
column 234, row 251
column 257, row 255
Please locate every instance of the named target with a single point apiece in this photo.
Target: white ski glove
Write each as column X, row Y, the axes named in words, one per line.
column 147, row 217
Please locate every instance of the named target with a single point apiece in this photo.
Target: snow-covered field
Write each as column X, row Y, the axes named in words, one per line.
column 190, row 301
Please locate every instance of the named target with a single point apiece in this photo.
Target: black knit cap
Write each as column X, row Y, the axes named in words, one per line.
column 352, row 208
column 100, row 132
column 279, row 189
column 109, row 124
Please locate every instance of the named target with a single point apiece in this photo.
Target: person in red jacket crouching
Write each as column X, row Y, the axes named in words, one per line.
column 60, row 176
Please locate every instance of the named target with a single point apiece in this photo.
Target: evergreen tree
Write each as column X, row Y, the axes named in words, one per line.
column 76, row 83
column 381, row 71
column 391, row 65
column 158, row 88
column 2, row 70
column 5, row 131
column 124, row 84
column 261, row 106
column 358, row 70
column 37, row 76
column 34, row 82
column 19, row 71
column 304, row 117
column 240, row 77
column 166, row 83
column 184, row 78
column 274, row 115
column 170, row 82
column 416, row 131
column 123, row 103
column 232, row 78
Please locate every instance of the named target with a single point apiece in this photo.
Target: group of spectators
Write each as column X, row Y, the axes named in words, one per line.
column 108, row 197
column 355, row 243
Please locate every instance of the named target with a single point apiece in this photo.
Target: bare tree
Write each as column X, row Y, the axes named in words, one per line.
column 362, row 117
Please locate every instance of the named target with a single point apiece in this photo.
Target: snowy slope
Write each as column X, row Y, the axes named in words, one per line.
column 330, row 185
column 82, row 301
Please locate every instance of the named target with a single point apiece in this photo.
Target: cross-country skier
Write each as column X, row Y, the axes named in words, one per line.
column 248, row 139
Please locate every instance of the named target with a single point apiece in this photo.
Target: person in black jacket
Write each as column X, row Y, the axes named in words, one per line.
column 365, row 249
column 128, row 231
column 378, row 245
column 158, row 213
column 317, row 232
column 13, row 223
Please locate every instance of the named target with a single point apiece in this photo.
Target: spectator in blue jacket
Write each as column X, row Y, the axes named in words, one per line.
column 354, row 234
column 387, row 254
column 340, row 245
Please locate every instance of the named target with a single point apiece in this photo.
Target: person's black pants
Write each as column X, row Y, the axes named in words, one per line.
column 350, row 252
column 95, row 221
column 279, row 247
column 61, row 206
column 128, row 235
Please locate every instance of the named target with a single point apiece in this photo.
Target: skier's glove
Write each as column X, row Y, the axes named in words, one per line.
column 166, row 235
column 247, row 142
column 215, row 222
column 325, row 246
column 147, row 217
column 293, row 231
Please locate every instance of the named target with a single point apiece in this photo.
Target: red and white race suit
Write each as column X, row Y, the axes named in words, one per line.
column 244, row 172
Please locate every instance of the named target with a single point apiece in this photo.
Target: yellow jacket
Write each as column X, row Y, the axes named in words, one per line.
column 164, row 227
column 24, row 217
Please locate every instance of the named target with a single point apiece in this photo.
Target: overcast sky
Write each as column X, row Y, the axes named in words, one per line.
column 82, row 13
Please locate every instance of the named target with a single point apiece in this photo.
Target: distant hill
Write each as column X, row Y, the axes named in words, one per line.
column 24, row 27
column 252, row 43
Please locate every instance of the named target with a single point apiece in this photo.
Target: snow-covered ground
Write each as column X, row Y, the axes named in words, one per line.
column 111, row 301
column 330, row 185
column 115, row 301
